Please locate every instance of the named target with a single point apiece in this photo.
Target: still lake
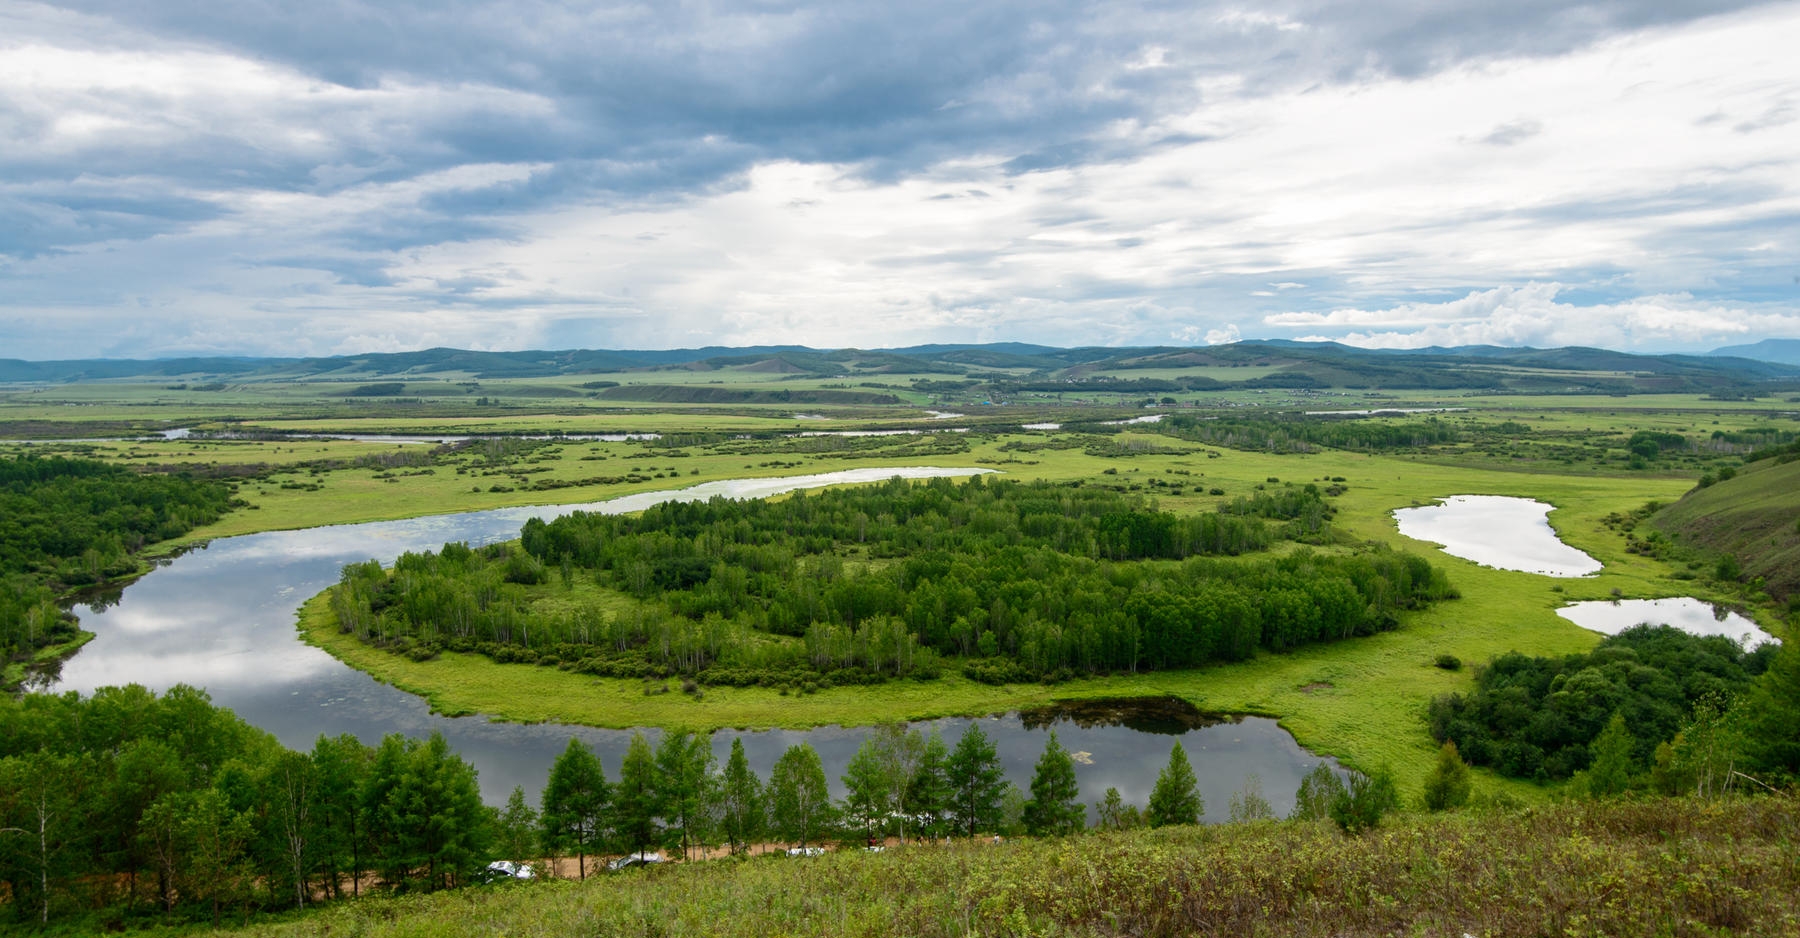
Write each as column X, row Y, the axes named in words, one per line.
column 1610, row 617
column 1496, row 531
column 222, row 618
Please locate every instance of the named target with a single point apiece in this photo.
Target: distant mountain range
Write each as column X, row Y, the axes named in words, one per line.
column 1012, row 365
column 1780, row 351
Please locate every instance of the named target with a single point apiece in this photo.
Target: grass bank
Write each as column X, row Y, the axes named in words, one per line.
column 15, row 672
column 1633, row 868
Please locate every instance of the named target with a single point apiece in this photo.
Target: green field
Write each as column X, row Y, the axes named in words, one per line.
column 1361, row 700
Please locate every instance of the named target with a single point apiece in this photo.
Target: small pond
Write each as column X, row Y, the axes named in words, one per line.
column 222, row 618
column 1496, row 531
column 1610, row 617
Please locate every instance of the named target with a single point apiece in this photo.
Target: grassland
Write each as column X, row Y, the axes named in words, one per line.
column 1676, row 868
column 1362, row 700
column 1755, row 518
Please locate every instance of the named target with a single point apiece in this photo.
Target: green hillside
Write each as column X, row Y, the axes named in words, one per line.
column 1754, row 517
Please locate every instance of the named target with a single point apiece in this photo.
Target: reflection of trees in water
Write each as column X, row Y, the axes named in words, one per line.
column 41, row 676
column 1168, row 716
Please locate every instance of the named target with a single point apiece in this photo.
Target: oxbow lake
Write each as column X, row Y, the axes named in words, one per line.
column 1496, row 531
column 1611, row 617
column 222, row 618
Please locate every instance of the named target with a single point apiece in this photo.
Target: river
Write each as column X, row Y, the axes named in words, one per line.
column 222, row 618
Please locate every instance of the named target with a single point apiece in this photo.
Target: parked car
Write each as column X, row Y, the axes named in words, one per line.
column 635, row 859
column 806, row 851
column 502, row 871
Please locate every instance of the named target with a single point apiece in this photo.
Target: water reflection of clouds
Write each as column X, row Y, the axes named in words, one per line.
column 1497, row 531
column 224, row 671
column 1610, row 617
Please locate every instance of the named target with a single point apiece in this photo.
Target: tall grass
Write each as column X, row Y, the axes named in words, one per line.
column 1659, row 867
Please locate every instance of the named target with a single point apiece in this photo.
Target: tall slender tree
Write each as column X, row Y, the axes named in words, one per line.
column 685, row 786
column 634, row 806
column 1176, row 797
column 868, row 798
column 743, row 816
column 798, row 795
column 976, row 782
column 1055, row 807
column 899, row 751
column 340, row 764
column 516, row 834
column 574, row 804
column 928, row 792
column 378, row 785
column 288, row 785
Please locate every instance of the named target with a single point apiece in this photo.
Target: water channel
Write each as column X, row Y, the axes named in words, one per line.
column 222, row 618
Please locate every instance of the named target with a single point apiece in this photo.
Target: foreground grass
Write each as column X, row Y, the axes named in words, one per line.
column 1664, row 867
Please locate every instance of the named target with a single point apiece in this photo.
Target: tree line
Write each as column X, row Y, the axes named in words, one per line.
column 900, row 783
column 1276, row 433
column 71, row 523
column 130, row 806
column 1018, row 581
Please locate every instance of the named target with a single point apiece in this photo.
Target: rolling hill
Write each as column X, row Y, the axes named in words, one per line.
column 1755, row 517
column 1009, row 367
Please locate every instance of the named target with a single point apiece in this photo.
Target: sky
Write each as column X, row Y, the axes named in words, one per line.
column 282, row 179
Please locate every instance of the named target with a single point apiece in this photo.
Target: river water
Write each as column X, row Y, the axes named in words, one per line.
column 223, row 618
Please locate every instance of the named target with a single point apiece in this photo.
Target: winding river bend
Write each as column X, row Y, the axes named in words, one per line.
column 222, row 618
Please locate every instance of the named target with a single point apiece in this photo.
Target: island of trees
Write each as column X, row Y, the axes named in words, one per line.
column 1015, row 581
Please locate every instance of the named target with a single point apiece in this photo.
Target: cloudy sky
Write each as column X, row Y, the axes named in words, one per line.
column 258, row 177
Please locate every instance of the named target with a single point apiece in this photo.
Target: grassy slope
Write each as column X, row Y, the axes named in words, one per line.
column 1754, row 517
column 1655, row 868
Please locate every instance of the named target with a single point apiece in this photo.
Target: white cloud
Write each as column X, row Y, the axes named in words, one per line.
column 1531, row 315
column 68, row 102
column 1223, row 336
column 1250, row 20
column 1659, row 165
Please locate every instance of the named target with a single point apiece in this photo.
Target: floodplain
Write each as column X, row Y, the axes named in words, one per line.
column 1361, row 700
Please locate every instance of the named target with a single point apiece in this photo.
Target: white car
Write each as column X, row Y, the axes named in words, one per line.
column 806, row 851
column 635, row 859
column 503, row 870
